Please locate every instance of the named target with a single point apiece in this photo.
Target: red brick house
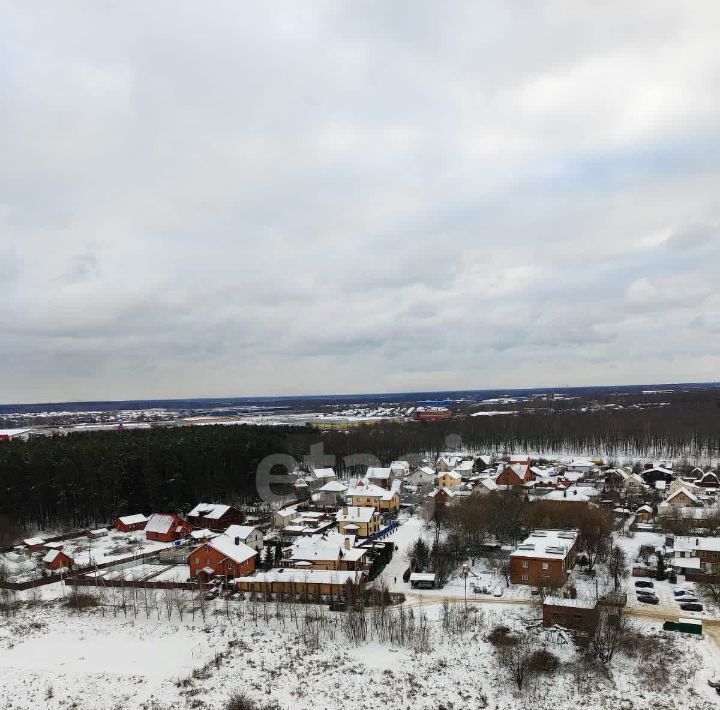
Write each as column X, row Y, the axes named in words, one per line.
column 166, row 527
column 128, row 523
column 214, row 516
column 222, row 557
column 57, row 559
column 580, row 614
column 544, row 558
column 514, row 474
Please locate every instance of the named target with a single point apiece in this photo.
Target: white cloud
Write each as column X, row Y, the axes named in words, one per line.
column 288, row 198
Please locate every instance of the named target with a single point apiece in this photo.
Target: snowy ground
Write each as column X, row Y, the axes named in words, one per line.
column 52, row 657
column 117, row 546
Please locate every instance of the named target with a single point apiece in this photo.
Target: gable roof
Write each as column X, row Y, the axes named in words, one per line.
column 683, row 491
column 241, row 531
column 52, row 555
column 378, row 472
column 213, row 511
column 227, row 547
column 132, row 519
column 160, row 523
column 333, row 487
column 355, row 514
column 324, row 473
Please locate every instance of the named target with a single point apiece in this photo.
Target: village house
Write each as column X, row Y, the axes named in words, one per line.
column 282, row 517
column 484, row 486
column 446, row 463
column 129, row 523
column 331, row 551
column 214, row 516
column 513, row 474
column 644, row 514
column 704, row 552
column 423, row 476
column 332, row 494
column 680, row 498
column 441, row 495
column 166, row 527
column 399, row 469
column 34, row 544
column 248, row 534
column 368, row 494
column 448, row 479
column 681, row 483
column 221, row 557
column 578, row 614
column 544, row 558
column 382, row 477
column 300, row 583
column 708, row 480
column 581, row 466
column 98, row 533
column 361, row 521
column 57, row 559
column 565, row 499
column 323, row 475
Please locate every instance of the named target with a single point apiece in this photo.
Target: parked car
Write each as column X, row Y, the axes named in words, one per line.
column 680, row 592
column 479, row 589
column 644, row 584
column 647, row 599
column 498, row 592
column 212, row 594
column 691, row 606
column 713, row 683
column 687, row 598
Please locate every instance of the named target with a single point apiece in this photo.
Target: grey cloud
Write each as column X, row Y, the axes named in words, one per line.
column 308, row 198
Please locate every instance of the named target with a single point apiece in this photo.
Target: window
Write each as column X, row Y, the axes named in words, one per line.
column 545, row 565
column 525, row 564
column 197, row 559
column 524, row 578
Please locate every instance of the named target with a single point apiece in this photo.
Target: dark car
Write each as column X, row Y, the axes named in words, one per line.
column 647, row 599
column 644, row 584
column 691, row 606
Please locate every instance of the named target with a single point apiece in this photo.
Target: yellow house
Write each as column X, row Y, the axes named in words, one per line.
column 370, row 495
column 448, row 479
column 362, row 521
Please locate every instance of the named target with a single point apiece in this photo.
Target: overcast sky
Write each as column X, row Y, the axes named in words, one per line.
column 240, row 198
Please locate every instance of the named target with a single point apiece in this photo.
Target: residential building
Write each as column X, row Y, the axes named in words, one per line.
column 368, row 494
column 544, row 558
column 166, row 527
column 382, row 477
column 300, row 583
column 579, row 614
column 448, row 479
column 362, row 521
column 129, row 523
column 56, row 560
column 331, row 551
column 221, row 557
column 706, row 550
column 513, row 474
column 214, row 516
column 248, row 534
column 332, row 494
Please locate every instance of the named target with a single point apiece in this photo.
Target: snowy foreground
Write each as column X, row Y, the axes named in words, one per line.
column 53, row 657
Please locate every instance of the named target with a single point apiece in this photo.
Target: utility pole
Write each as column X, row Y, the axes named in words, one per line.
column 465, row 572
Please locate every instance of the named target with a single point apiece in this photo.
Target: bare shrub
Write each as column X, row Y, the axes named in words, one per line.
column 543, row 661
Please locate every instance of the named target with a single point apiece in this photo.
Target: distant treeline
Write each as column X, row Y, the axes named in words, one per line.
column 89, row 478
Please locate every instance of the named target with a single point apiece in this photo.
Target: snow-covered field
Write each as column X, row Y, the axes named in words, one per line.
column 52, row 657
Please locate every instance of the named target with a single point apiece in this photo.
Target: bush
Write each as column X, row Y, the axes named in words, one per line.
column 81, row 600
column 241, row 701
column 501, row 638
column 543, row 661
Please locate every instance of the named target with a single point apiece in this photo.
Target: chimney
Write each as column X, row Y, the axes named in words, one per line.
column 345, row 510
column 697, row 541
column 564, row 492
column 237, row 540
column 347, row 544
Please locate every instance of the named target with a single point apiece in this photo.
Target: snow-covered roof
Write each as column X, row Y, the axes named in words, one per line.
column 33, row 541
column 422, row 577
column 582, row 463
column 686, row 562
column 691, row 542
column 683, row 491
column 203, row 534
column 241, row 531
column 463, row 466
column 546, row 544
column 225, row 546
column 133, row 519
column 213, row 511
column 378, row 473
column 570, row 495
column 160, row 523
column 303, row 576
column 52, row 555
column 644, row 508
column 333, row 487
column 372, row 491
column 570, row 603
column 355, row 514
column 324, row 473
column 452, row 474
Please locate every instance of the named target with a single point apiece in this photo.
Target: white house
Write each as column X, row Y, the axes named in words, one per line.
column 248, row 534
